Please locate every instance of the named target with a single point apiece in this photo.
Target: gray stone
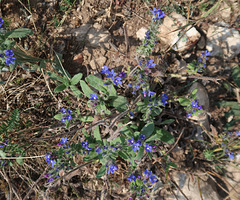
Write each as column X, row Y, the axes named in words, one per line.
column 170, row 34
column 223, row 41
column 141, row 33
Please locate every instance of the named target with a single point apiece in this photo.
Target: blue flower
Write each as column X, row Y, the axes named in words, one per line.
column 152, row 178
column 230, row 156
column 53, row 162
column 164, row 99
column 63, row 110
column 230, row 133
column 47, row 157
column 129, row 85
column 147, row 173
column 158, row 14
column 63, row 120
column 10, row 60
column 131, row 114
column 206, row 54
column 9, row 53
column 189, row 114
column 139, row 142
column 68, row 117
column 131, row 178
column 99, row 150
column 117, row 81
column 194, row 104
column 84, row 144
column 69, row 111
column 137, row 86
column 50, row 179
column 150, row 93
column 135, row 147
column 104, row 69
column 238, row 133
column 111, row 74
column 93, row 97
column 112, row 169
column 150, row 63
column 140, row 62
column 148, row 148
column 131, row 141
column 142, row 137
column 145, row 93
column 147, row 34
column 63, row 140
column 1, row 22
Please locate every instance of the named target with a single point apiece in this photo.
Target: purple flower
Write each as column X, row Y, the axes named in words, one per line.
column 46, row 175
column 111, row 74
column 150, row 63
column 9, row 53
column 99, row 150
column 122, row 74
column 63, row 120
column 131, row 178
column 93, row 97
column 145, row 93
column 1, row 22
column 194, row 104
column 10, row 60
column 142, row 137
column 139, row 142
column 148, row 148
column 63, row 140
column 63, row 110
column 157, row 14
column 50, row 179
column 117, row 81
column 147, row 173
column 104, row 69
column 135, row 147
column 152, row 178
column 131, row 141
column 112, row 169
column 69, row 111
column 189, row 114
column 147, row 34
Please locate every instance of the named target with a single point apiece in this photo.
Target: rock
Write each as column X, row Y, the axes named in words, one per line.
column 229, row 11
column 170, row 35
column 80, row 33
column 223, row 41
column 141, row 33
column 98, row 63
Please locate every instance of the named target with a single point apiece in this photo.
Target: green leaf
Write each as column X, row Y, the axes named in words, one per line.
column 97, row 83
column 194, row 91
column 184, row 101
column 123, row 155
column 55, row 77
column 148, row 129
column 60, row 88
column 2, row 154
column 91, row 156
column 140, row 153
column 96, row 134
column 76, row 91
column 168, row 121
column 86, row 118
column 165, row 136
column 120, row 103
column 76, row 79
column 20, row 161
column 58, row 116
column 113, row 92
column 236, row 75
column 19, row 33
column 86, row 89
column 101, row 171
column 153, row 137
column 139, row 182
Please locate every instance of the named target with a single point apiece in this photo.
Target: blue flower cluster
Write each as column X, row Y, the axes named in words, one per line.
column 136, row 145
column 164, row 99
column 85, row 145
column 112, row 168
column 157, row 14
column 6, row 143
column 9, row 57
column 195, row 107
column 1, row 22
column 67, row 116
column 202, row 61
column 230, row 154
column 112, row 75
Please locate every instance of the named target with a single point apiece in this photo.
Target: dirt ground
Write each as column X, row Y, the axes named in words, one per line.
column 54, row 24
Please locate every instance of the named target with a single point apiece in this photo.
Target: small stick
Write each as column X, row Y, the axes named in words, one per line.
column 126, row 39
